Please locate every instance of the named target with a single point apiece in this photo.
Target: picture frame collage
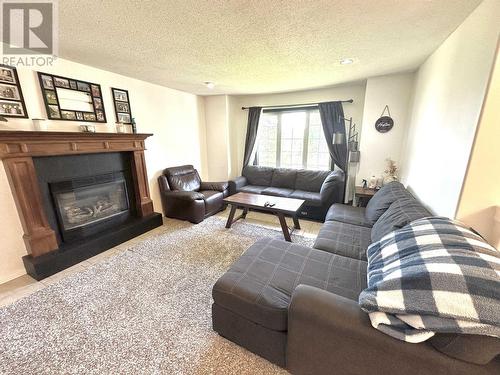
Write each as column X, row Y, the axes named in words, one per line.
column 11, row 96
column 121, row 101
column 49, row 84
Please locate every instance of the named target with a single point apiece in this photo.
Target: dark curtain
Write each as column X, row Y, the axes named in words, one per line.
column 332, row 120
column 252, row 127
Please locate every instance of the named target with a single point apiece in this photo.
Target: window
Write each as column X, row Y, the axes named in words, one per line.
column 292, row 139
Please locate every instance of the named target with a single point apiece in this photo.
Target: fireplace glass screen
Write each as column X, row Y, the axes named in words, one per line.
column 89, row 204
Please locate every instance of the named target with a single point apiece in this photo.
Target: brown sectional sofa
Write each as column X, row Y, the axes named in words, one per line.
column 298, row 306
column 320, row 189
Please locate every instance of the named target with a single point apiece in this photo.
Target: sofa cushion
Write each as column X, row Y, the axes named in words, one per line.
column 344, row 239
column 284, row 178
column 332, row 190
column 401, row 212
column 470, row 348
column 277, row 192
column 310, row 180
column 260, row 176
column 381, row 201
column 254, row 189
column 213, row 200
column 311, row 198
column 348, row 214
column 259, row 285
column 185, row 182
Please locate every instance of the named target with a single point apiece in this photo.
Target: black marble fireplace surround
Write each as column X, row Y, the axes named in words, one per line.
column 81, row 239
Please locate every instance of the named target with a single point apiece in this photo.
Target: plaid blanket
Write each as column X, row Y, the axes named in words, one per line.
column 433, row 275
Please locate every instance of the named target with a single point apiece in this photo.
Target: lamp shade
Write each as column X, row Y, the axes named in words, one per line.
column 354, row 156
column 338, row 138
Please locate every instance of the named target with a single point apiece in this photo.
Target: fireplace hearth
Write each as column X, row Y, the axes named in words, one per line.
column 77, row 194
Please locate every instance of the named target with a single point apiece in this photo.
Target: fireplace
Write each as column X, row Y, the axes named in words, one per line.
column 77, row 194
column 85, row 206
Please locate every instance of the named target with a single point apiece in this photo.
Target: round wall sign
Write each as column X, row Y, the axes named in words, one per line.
column 384, row 123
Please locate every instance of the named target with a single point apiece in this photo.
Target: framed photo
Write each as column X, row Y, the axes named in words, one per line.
column 89, row 116
column 120, row 95
column 100, row 115
column 81, row 86
column 11, row 109
column 8, row 75
column 71, row 99
column 51, row 97
column 47, row 82
column 122, row 106
column 11, row 95
column 9, row 92
column 68, row 115
column 61, row 82
column 96, row 91
column 124, row 118
column 98, row 103
column 53, row 112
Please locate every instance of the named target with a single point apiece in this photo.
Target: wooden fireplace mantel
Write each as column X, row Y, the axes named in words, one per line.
column 17, row 149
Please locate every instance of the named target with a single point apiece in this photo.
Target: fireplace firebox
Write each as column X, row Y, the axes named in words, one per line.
column 87, row 205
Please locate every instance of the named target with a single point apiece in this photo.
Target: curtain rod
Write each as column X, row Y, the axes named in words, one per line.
column 296, row 105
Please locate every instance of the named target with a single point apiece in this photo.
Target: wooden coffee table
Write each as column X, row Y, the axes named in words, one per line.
column 282, row 207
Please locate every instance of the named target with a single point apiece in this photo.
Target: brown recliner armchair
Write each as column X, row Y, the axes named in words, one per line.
column 184, row 196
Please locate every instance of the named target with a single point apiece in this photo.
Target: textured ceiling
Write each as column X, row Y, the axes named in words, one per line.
column 247, row 46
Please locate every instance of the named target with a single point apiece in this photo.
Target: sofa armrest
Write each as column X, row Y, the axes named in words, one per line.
column 332, row 189
column 183, row 195
column 217, row 186
column 327, row 331
column 236, row 184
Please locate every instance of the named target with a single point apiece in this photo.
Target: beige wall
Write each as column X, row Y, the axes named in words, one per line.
column 479, row 205
column 224, row 114
column 217, row 128
column 175, row 118
column 449, row 92
column 395, row 91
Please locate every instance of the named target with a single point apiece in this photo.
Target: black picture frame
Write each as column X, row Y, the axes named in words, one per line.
column 48, row 85
column 10, row 80
column 122, row 104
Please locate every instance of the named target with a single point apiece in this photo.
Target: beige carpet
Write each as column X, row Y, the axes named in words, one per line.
column 145, row 311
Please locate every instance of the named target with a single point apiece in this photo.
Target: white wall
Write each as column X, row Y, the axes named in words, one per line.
column 395, row 91
column 175, row 118
column 449, row 92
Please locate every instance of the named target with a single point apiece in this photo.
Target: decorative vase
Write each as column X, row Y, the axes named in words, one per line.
column 134, row 126
column 373, row 182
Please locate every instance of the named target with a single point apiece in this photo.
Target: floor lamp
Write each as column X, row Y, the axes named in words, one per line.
column 353, row 154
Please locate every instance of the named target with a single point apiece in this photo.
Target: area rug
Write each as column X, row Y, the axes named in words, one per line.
column 145, row 311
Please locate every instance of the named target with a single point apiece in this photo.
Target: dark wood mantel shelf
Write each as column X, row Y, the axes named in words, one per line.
column 17, row 149
column 42, row 143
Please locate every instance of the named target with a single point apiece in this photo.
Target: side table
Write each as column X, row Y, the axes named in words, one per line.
column 362, row 196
